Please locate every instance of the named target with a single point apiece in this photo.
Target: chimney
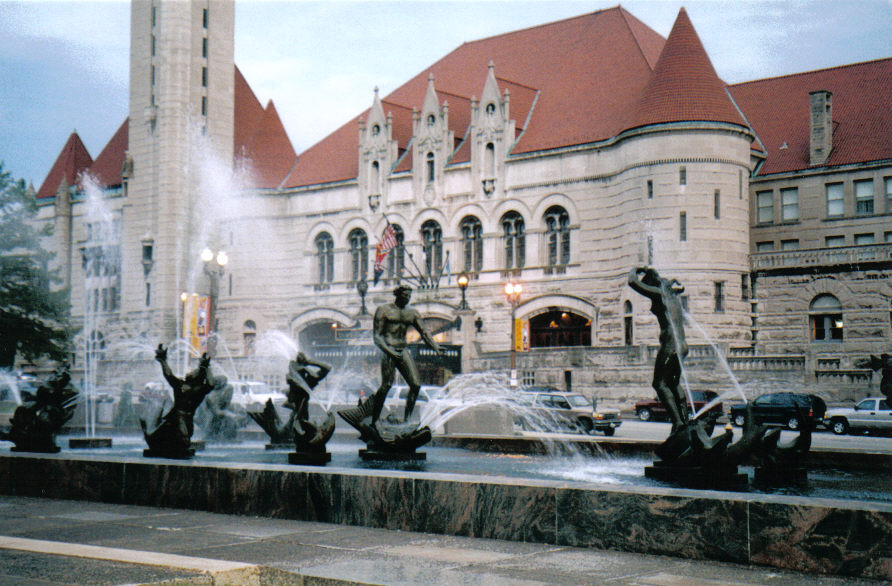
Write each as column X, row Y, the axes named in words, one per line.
column 821, row 126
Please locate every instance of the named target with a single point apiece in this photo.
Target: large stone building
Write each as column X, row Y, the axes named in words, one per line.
column 559, row 156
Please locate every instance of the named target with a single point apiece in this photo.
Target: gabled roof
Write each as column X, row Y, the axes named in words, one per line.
column 684, row 86
column 73, row 159
column 258, row 136
column 578, row 77
column 106, row 169
column 778, row 110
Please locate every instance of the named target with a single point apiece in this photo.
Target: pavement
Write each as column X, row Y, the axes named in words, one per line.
column 54, row 542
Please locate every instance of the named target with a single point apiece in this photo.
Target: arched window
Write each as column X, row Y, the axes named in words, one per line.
column 432, row 242
column 472, row 244
column 429, row 162
column 359, row 254
column 375, row 179
column 560, row 327
column 557, row 237
column 825, row 315
column 249, row 336
column 627, row 324
column 96, row 346
column 324, row 258
column 320, row 333
column 396, row 260
column 515, row 241
column 489, row 161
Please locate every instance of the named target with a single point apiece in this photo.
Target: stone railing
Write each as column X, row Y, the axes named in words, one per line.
column 860, row 376
column 821, row 257
column 767, row 363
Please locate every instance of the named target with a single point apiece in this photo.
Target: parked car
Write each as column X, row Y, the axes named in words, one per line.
column 546, row 406
column 11, row 394
column 654, row 410
column 786, row 409
column 252, row 395
column 396, row 399
column 872, row 414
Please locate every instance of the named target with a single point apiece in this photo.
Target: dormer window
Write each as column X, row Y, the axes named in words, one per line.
column 490, row 109
column 376, row 130
column 430, row 167
column 431, row 120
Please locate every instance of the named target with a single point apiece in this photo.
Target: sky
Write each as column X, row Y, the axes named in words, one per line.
column 64, row 66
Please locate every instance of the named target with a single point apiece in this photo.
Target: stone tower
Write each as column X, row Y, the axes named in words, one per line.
column 181, row 109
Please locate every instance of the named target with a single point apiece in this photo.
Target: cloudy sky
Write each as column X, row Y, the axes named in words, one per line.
column 64, row 65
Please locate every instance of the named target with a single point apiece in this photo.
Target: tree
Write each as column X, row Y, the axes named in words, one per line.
column 33, row 317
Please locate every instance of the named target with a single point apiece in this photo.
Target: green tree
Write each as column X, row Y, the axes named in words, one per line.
column 33, row 317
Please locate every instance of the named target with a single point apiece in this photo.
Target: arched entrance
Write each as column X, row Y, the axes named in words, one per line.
column 560, row 327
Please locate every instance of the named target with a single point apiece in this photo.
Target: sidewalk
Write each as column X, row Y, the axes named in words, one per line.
column 54, row 542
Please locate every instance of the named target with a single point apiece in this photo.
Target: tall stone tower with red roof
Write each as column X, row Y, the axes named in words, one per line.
column 181, row 102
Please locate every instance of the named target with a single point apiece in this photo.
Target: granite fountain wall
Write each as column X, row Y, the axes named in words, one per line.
column 824, row 536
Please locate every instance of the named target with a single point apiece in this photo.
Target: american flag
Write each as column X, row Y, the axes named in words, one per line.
column 388, row 242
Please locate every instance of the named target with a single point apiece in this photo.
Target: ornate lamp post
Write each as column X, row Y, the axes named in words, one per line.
column 214, row 267
column 463, row 285
column 362, row 287
column 512, row 292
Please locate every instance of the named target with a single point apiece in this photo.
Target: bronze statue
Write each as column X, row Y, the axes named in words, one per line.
column 41, row 415
column 169, row 434
column 218, row 418
column 690, row 456
column 882, row 363
column 390, row 325
column 309, row 437
column 666, row 305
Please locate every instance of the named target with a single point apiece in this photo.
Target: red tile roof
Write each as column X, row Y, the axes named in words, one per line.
column 258, row 136
column 106, row 169
column 73, row 159
column 778, row 110
column 684, row 86
column 582, row 73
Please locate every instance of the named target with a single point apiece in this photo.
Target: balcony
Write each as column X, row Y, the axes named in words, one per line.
column 821, row 257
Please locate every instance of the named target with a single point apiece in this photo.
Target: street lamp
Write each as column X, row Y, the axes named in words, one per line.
column 362, row 287
column 214, row 266
column 512, row 292
column 463, row 285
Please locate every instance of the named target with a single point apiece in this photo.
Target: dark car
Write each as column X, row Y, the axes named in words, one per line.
column 787, row 409
column 653, row 410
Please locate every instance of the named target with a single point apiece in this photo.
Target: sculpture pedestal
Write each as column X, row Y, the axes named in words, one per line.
column 371, row 454
column 37, row 449
column 773, row 475
column 83, row 443
column 697, row 476
column 186, row 454
column 279, row 445
column 309, row 458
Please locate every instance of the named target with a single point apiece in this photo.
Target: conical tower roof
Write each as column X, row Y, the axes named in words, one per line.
column 684, row 86
column 73, row 159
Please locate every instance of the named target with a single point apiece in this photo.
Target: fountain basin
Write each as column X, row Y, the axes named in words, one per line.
column 820, row 535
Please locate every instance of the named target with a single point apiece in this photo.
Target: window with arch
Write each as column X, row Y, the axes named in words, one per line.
column 472, row 244
column 515, row 240
column 490, row 109
column 557, row 237
column 396, row 260
column 96, row 346
column 249, row 336
column 324, row 258
column 429, row 165
column 825, row 315
column 489, row 161
column 359, row 253
column 560, row 327
column 628, row 326
column 432, row 247
column 375, row 178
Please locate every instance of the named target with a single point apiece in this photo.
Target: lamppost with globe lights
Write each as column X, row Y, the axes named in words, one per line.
column 214, row 267
column 362, row 287
column 463, row 285
column 512, row 292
